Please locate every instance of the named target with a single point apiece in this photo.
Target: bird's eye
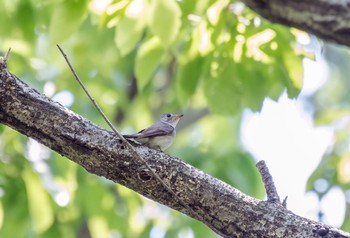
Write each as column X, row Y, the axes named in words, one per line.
column 168, row 115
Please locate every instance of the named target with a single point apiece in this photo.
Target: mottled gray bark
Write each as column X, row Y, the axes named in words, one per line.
column 223, row 208
column 327, row 19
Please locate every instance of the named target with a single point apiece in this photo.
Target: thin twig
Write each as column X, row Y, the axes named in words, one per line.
column 3, row 60
column 284, row 202
column 7, row 55
column 130, row 147
column 271, row 191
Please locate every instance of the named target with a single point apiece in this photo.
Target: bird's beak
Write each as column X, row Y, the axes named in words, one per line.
column 175, row 119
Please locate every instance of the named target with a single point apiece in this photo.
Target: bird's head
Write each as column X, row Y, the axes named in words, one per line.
column 171, row 118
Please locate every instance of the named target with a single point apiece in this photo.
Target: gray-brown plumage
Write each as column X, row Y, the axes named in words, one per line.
column 160, row 135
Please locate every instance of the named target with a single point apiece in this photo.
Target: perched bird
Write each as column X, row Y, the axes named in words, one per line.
column 160, row 135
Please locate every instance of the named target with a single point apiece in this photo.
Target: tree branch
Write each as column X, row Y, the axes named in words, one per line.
column 122, row 139
column 326, row 19
column 224, row 209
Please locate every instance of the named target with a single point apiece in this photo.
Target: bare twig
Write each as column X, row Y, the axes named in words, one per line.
column 128, row 145
column 284, row 202
column 271, row 191
column 7, row 55
column 4, row 59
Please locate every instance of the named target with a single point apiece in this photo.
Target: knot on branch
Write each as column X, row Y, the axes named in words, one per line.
column 145, row 174
column 324, row 231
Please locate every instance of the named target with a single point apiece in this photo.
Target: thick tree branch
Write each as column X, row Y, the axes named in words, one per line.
column 226, row 210
column 326, row 19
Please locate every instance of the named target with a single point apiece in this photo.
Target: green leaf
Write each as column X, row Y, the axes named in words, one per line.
column 287, row 59
column 66, row 19
column 215, row 11
column 26, row 19
column 39, row 204
column 147, row 60
column 259, row 81
column 130, row 28
column 223, row 91
column 294, row 68
column 189, row 73
column 126, row 39
column 164, row 20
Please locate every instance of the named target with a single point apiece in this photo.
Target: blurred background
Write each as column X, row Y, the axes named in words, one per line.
column 249, row 89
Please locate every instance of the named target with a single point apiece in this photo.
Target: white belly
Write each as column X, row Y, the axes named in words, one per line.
column 161, row 142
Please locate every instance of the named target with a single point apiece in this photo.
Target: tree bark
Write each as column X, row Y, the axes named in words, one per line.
column 223, row 208
column 327, row 19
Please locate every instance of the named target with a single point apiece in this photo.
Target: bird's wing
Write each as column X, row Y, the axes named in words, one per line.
column 130, row 136
column 160, row 129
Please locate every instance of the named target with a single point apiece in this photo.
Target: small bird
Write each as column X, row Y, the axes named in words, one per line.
column 160, row 135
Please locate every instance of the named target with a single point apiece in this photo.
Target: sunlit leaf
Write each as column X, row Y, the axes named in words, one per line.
column 164, row 20
column 289, row 60
column 130, row 28
column 294, row 67
column 98, row 226
column 215, row 10
column 112, row 13
column 127, row 34
column 66, row 19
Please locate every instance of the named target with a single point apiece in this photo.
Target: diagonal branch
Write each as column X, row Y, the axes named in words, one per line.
column 224, row 209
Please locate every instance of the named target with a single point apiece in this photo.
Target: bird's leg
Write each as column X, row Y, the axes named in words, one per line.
column 160, row 149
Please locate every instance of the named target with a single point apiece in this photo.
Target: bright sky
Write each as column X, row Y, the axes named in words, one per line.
column 284, row 136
